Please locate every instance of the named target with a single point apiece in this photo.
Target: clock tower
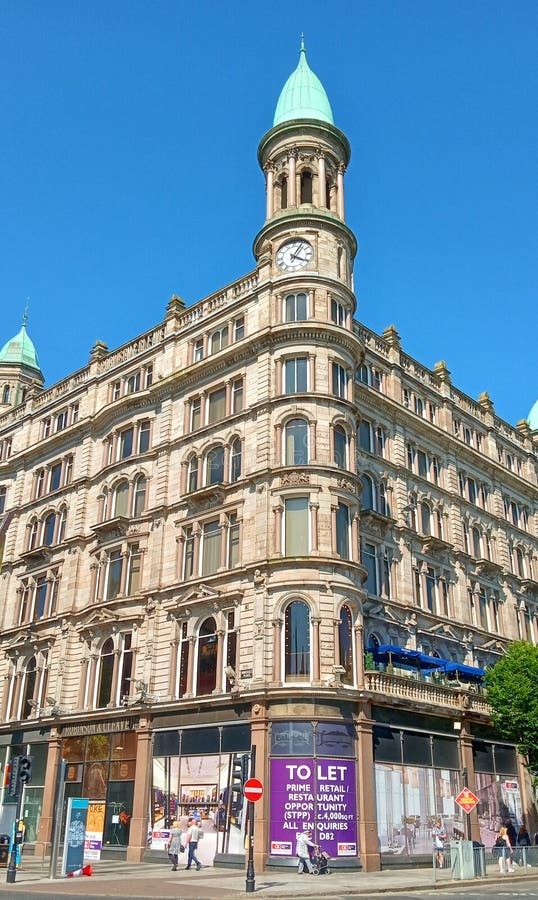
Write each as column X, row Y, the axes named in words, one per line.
column 304, row 157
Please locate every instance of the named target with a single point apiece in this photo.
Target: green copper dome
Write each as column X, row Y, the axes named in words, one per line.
column 532, row 418
column 303, row 96
column 20, row 351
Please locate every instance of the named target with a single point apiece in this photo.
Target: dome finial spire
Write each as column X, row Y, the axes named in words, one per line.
column 25, row 313
column 303, row 96
column 303, row 48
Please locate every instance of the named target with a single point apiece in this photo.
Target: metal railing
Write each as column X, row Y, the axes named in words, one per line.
column 453, row 863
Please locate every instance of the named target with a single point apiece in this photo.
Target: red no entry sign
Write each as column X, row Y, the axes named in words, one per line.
column 467, row 800
column 253, row 789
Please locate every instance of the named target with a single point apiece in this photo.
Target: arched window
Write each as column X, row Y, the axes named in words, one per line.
column 520, row 563
column 382, row 500
column 368, row 494
column 215, row 466
column 297, row 642
column 476, row 542
column 40, row 483
column 345, row 643
column 6, row 393
column 340, row 447
column 296, row 443
column 106, row 672
column 284, row 193
column 121, row 499
column 235, row 460
column 192, row 474
column 139, row 497
column 306, row 186
column 29, row 683
column 207, row 657
column 296, row 307
column 49, row 526
column 425, row 518
column 343, row 530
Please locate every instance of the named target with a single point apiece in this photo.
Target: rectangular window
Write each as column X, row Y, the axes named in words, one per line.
column 237, row 395
column 148, row 377
column 365, row 436
column 198, row 350
column 233, row 541
column 133, row 574
column 296, row 375
column 219, row 339
column 143, row 436
column 40, row 608
column 296, row 307
column 339, row 380
column 55, row 477
column 196, row 413
column 338, row 313
column 116, row 390
column 370, row 564
column 211, row 547
column 239, row 328
column 430, row 589
column 216, row 405
column 47, row 424
column 126, row 443
column 74, row 413
column 296, row 526
column 113, row 582
column 61, row 420
column 342, row 530
column 188, row 561
column 3, row 493
column 422, row 464
column 133, row 383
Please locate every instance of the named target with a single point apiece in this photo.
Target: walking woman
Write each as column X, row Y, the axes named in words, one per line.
column 439, row 838
column 175, row 845
column 504, row 850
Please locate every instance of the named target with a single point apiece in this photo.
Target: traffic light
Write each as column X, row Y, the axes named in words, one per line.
column 13, row 776
column 25, row 769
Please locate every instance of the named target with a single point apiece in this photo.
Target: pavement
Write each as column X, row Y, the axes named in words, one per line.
column 113, row 878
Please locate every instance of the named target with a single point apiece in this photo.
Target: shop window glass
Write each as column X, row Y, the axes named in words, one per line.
column 416, row 749
column 297, row 641
column 505, row 760
column 235, row 738
column 387, row 745
column 166, row 743
column 207, row 657
column 95, row 780
column 199, row 741
column 445, row 752
column 483, row 756
column 292, row 739
column 73, row 749
column 333, row 739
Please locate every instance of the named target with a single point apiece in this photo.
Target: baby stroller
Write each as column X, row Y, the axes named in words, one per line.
column 320, row 862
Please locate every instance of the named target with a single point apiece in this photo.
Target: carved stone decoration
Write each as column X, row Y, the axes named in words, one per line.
column 346, row 485
column 258, row 628
column 295, row 478
column 260, row 579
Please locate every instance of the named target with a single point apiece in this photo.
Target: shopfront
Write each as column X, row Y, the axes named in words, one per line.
column 313, row 786
column 34, row 745
column 201, row 771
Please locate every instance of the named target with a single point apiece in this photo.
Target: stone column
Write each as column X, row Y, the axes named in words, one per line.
column 314, row 510
column 220, row 654
column 54, row 755
column 316, row 622
column 278, row 445
column 336, row 640
column 313, row 441
column 352, row 452
column 359, row 654
column 340, row 182
column 292, row 180
column 366, row 805
column 355, row 555
column 278, row 377
column 322, row 186
column 260, row 740
column 196, row 551
column 311, row 372
column 269, row 175
column 277, row 656
column 138, row 832
column 277, row 537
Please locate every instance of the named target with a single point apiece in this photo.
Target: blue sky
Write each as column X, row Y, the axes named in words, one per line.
column 128, row 167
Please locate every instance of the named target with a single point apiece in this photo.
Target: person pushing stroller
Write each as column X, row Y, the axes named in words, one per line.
column 304, row 847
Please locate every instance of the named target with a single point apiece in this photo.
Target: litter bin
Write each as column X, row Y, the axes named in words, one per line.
column 5, row 841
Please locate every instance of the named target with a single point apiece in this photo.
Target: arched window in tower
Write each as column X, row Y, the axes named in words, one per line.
column 296, row 443
column 106, row 672
column 207, row 657
column 306, row 186
column 121, row 499
column 345, row 643
column 215, row 466
column 139, row 497
column 6, row 393
column 30, row 676
column 49, row 527
column 297, row 642
column 235, row 460
column 296, row 307
column 284, row 193
column 340, row 447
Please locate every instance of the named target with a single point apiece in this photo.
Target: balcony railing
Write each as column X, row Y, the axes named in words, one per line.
column 427, row 692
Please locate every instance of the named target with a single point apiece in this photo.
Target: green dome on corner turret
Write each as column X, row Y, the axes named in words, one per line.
column 20, row 351
column 532, row 418
column 303, row 96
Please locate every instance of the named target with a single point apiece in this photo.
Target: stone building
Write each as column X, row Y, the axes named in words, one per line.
column 262, row 525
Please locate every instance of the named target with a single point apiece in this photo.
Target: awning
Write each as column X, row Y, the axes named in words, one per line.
column 414, row 659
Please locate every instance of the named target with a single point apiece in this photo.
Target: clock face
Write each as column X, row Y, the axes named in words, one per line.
column 294, row 255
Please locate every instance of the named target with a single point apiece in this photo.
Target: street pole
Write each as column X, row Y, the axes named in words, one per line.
column 467, row 814
column 250, row 884
column 58, row 809
column 12, row 867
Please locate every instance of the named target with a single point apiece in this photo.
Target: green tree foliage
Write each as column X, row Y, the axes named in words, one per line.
column 512, row 686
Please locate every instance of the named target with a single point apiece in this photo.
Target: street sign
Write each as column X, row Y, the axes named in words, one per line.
column 253, row 789
column 467, row 800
